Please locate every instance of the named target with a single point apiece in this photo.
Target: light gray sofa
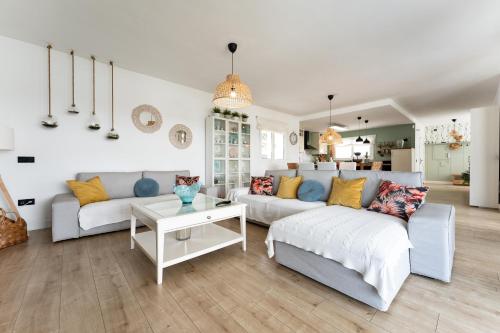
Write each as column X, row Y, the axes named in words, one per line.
column 431, row 230
column 120, row 186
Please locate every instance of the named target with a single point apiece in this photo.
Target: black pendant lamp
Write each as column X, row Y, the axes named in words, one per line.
column 366, row 127
column 359, row 139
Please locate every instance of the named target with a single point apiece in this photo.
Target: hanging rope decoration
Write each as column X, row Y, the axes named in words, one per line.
column 49, row 121
column 94, row 120
column 72, row 108
column 112, row 134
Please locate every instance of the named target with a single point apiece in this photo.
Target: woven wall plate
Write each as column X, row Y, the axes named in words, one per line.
column 147, row 118
column 180, row 136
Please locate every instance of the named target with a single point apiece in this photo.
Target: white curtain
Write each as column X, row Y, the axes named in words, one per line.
column 271, row 125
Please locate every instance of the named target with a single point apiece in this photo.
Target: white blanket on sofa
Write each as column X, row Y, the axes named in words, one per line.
column 364, row 241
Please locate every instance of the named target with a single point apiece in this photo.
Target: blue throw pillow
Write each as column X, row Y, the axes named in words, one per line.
column 310, row 190
column 146, row 187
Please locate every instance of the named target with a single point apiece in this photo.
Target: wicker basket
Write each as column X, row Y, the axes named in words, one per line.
column 12, row 232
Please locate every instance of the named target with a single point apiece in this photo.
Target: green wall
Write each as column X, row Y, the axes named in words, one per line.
column 386, row 134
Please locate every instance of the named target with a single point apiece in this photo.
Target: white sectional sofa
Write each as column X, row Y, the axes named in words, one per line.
column 430, row 230
column 69, row 220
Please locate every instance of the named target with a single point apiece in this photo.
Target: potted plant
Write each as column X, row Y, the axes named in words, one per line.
column 235, row 115
column 227, row 113
column 244, row 117
column 216, row 112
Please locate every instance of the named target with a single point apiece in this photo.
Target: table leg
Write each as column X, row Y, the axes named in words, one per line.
column 243, row 227
column 133, row 222
column 160, row 243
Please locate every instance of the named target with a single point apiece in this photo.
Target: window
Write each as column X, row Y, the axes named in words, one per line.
column 349, row 146
column 272, row 145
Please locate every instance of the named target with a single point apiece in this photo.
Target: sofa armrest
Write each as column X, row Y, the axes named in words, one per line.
column 431, row 230
column 209, row 190
column 65, row 208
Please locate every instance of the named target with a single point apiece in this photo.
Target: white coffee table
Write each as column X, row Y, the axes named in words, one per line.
column 165, row 217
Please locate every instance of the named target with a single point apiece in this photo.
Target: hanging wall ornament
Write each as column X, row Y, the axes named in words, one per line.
column 180, row 136
column 94, row 121
column 49, row 120
column 112, row 134
column 147, row 118
column 72, row 108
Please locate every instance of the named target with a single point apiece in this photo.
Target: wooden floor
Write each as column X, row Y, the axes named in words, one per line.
column 97, row 284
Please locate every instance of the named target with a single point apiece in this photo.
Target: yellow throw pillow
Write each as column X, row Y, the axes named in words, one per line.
column 89, row 191
column 289, row 187
column 346, row 192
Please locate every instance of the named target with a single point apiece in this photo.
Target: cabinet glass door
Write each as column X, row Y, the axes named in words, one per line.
column 245, row 141
column 234, row 174
column 219, row 138
column 245, row 173
column 233, row 140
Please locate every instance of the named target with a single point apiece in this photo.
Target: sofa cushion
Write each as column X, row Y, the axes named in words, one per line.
column 117, row 184
column 289, row 187
column 146, row 187
column 166, row 179
column 398, row 200
column 257, row 208
column 277, row 177
column 113, row 211
column 261, row 185
column 347, row 192
column 310, row 190
column 87, row 192
column 373, row 179
column 325, row 177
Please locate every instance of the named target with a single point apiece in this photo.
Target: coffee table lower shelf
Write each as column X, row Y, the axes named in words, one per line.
column 204, row 239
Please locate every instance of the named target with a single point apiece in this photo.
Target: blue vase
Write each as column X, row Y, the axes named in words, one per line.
column 187, row 193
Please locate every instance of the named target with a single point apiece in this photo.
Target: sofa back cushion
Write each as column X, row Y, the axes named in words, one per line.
column 117, row 184
column 325, row 177
column 374, row 178
column 166, row 179
column 277, row 177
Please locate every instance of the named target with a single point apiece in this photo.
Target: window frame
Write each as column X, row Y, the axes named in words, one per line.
column 352, row 144
column 273, row 145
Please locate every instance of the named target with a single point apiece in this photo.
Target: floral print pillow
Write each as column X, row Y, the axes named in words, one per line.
column 398, row 200
column 185, row 180
column 262, row 185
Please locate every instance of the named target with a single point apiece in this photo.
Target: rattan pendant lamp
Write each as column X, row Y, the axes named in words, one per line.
column 232, row 93
column 330, row 136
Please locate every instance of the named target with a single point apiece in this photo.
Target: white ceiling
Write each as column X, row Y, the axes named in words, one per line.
column 428, row 56
column 379, row 116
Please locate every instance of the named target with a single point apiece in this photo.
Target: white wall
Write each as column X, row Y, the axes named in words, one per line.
column 62, row 152
column 484, row 157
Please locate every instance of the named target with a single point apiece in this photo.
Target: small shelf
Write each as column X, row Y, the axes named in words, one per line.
column 204, row 239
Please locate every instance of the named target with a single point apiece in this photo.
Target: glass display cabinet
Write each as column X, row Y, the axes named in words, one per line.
column 228, row 153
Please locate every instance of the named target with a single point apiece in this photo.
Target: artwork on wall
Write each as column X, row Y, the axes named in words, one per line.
column 441, row 133
column 147, row 118
column 180, row 136
column 50, row 120
column 293, row 138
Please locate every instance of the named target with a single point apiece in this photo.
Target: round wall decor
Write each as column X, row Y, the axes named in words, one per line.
column 147, row 118
column 180, row 136
column 293, row 138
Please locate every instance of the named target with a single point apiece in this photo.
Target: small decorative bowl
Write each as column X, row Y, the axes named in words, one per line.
column 187, row 193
